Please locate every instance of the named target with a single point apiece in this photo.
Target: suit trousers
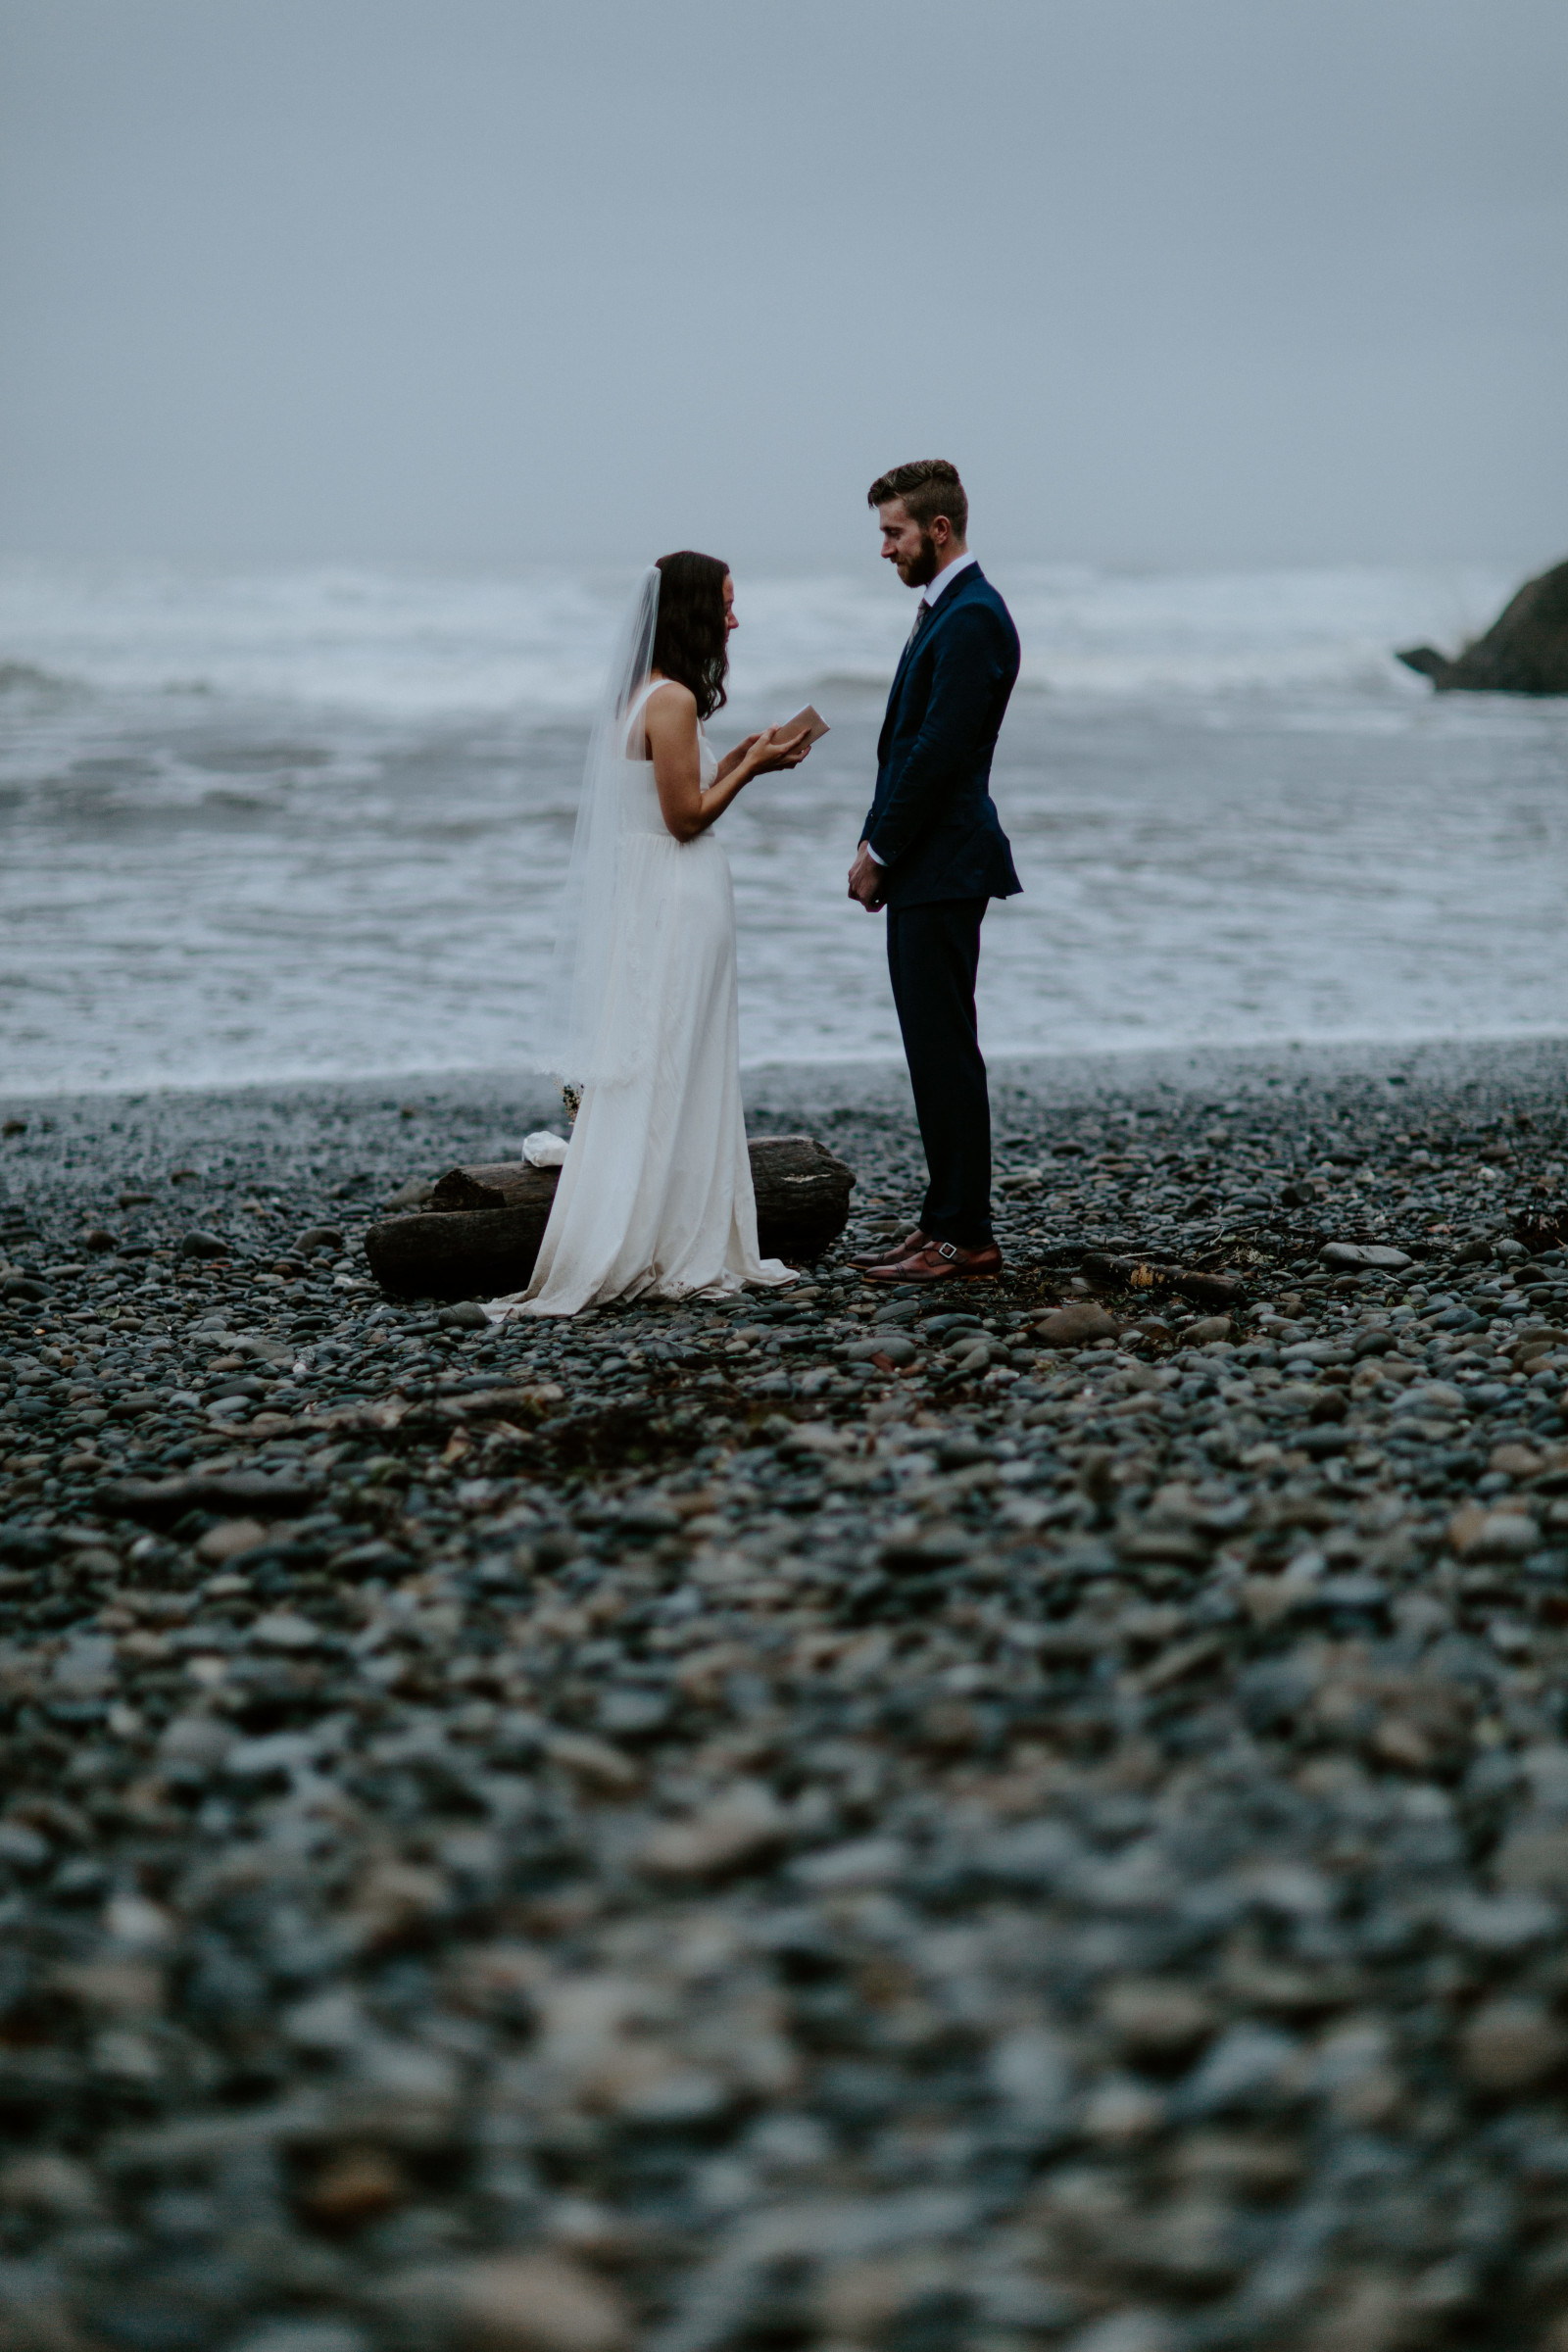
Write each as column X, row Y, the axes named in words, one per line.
column 933, row 955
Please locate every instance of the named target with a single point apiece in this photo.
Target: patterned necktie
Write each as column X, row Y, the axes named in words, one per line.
column 922, row 617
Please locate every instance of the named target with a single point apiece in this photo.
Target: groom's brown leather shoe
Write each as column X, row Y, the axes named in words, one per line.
column 942, row 1261
column 894, row 1253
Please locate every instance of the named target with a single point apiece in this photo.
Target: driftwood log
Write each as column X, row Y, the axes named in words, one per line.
column 480, row 1234
column 1524, row 652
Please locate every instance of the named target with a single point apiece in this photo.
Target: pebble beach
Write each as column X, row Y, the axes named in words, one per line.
column 1024, row 1814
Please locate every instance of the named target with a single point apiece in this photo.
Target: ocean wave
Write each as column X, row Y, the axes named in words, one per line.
column 26, row 677
column 402, row 646
column 234, row 888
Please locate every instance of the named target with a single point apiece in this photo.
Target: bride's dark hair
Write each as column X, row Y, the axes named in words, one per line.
column 690, row 639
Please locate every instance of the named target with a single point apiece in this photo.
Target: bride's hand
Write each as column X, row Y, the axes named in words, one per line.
column 760, row 755
column 766, row 753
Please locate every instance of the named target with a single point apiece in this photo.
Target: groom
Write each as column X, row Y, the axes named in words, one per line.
column 935, row 856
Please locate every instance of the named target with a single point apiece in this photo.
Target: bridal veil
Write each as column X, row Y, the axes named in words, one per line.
column 592, row 1030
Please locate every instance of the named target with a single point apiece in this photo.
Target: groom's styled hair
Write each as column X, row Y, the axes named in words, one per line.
column 928, row 487
column 691, row 642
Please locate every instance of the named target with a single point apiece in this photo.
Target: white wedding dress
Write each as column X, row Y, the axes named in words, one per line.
column 655, row 1197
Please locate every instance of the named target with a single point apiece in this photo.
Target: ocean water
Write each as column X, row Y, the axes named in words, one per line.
column 269, row 825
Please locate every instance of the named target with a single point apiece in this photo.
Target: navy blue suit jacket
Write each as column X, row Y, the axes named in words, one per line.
column 933, row 822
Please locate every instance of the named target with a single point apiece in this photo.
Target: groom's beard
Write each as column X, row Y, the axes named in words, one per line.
column 920, row 569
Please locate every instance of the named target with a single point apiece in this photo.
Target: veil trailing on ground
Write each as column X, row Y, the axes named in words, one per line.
column 583, row 1041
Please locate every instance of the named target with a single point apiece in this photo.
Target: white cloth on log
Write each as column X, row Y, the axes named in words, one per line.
column 654, row 1198
column 542, row 1150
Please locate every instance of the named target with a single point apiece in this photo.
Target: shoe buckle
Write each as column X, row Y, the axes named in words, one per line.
column 947, row 1249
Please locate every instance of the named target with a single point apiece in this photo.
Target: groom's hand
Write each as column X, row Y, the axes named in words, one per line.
column 866, row 880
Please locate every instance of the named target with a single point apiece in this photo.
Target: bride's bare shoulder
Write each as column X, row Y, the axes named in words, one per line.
column 670, row 705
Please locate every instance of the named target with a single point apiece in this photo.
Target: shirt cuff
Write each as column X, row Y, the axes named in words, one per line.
column 872, row 854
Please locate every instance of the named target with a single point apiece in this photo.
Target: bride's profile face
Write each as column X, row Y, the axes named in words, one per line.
column 730, row 619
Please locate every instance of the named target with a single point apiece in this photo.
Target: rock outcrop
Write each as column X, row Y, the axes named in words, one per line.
column 1524, row 652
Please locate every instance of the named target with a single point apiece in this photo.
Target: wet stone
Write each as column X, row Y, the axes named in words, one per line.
column 838, row 1820
column 1075, row 1326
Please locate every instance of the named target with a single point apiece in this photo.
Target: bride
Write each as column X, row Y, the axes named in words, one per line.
column 655, row 1197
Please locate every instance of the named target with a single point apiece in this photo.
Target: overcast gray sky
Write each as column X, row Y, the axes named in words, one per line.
column 1171, row 281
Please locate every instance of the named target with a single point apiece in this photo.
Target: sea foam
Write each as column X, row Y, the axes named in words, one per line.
column 277, row 824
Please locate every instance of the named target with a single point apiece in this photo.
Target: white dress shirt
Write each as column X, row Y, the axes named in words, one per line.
column 928, row 597
column 945, row 578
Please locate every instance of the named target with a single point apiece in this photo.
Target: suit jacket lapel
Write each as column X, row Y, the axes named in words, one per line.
column 893, row 693
column 897, row 687
column 944, row 605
